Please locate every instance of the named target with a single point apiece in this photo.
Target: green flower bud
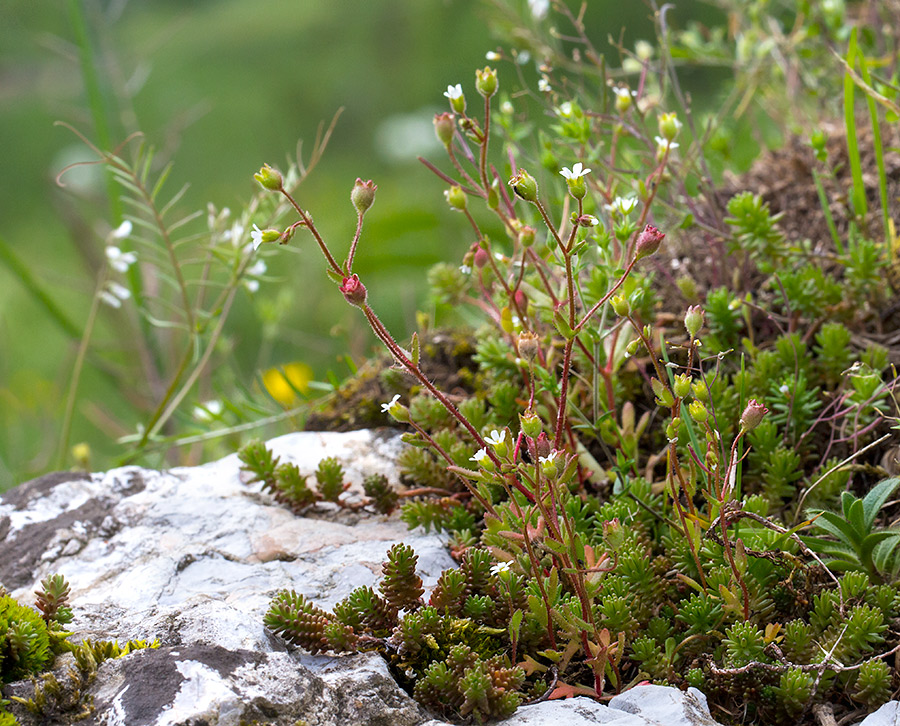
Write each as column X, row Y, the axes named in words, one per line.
column 693, row 320
column 531, row 424
column 270, row 178
column 524, row 185
column 456, row 197
column 669, row 125
column 698, row 412
column 633, row 347
column 621, row 305
column 664, row 396
column 526, row 236
column 444, row 128
column 363, row 195
column 682, row 385
column 700, row 390
column 486, row 81
column 673, row 428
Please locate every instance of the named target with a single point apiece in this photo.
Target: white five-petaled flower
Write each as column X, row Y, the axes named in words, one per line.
column 576, row 172
column 623, row 93
column 465, row 269
column 480, row 455
column 496, row 438
column 454, row 92
column 256, row 236
column 499, row 567
column 386, row 407
column 544, row 85
column 118, row 260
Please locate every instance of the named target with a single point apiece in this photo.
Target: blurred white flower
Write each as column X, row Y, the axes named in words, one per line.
column 118, row 260
column 256, row 236
column 114, row 294
column 539, row 8
column 123, row 230
column 499, row 567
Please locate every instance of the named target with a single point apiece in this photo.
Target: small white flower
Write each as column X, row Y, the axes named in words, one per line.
column 258, row 270
column 499, row 567
column 465, row 269
column 785, row 389
column 492, row 55
column 118, row 260
column 386, row 407
column 663, row 145
column 576, row 172
column 454, row 92
column 497, row 437
column 256, row 236
column 564, row 109
column 539, row 8
column 507, row 107
column 623, row 92
column 252, row 285
column 208, row 411
column 625, row 205
column 123, row 230
column 480, row 455
column 591, row 219
column 544, row 85
column 550, row 458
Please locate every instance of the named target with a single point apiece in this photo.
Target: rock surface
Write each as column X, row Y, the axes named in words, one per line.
column 193, row 556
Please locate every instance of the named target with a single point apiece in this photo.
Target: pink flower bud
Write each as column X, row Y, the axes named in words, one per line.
column 354, row 291
column 648, row 242
column 752, row 415
column 521, row 300
column 481, row 257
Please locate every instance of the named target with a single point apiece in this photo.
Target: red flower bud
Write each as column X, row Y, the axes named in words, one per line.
column 648, row 242
column 354, row 291
column 752, row 415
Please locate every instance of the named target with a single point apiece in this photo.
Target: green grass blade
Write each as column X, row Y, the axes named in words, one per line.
column 23, row 274
column 879, row 150
column 858, row 194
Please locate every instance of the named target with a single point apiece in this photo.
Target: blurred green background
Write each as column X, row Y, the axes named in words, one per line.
column 219, row 87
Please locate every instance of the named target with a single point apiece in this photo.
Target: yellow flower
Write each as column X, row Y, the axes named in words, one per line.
column 285, row 382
